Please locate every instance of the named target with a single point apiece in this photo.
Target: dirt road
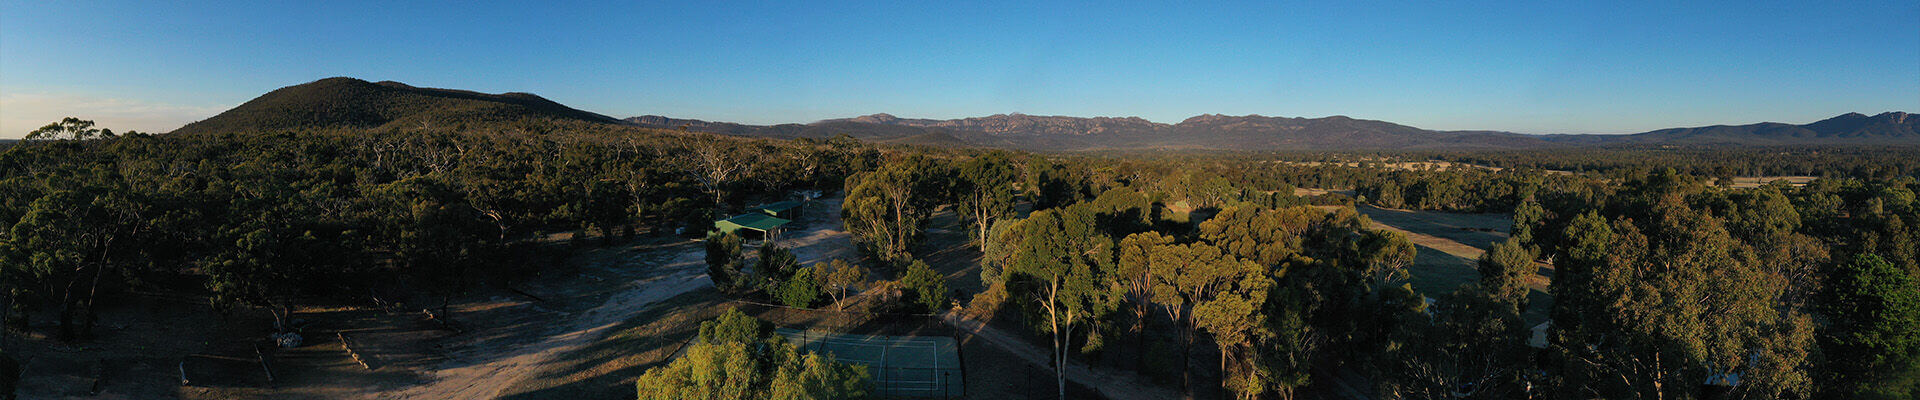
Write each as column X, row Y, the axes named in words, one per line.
column 483, row 367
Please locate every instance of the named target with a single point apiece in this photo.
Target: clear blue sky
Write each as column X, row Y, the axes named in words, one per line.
column 1526, row 66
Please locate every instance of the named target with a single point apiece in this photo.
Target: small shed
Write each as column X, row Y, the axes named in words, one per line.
column 763, row 225
column 788, row 210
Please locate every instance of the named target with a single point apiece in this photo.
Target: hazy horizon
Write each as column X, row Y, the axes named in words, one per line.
column 1518, row 67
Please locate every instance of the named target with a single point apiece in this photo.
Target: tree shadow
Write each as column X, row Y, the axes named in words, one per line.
column 607, row 368
column 1436, row 272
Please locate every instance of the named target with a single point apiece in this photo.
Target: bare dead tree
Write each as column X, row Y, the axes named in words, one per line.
column 713, row 164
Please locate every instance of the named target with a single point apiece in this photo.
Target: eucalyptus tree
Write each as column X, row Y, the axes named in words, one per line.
column 739, row 357
column 985, row 190
column 70, row 128
column 1651, row 311
column 1873, row 337
column 1063, row 269
column 886, row 208
column 838, row 277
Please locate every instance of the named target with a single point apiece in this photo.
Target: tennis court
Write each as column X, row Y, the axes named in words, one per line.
column 902, row 366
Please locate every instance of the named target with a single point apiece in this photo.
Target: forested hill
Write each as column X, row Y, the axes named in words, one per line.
column 1849, row 128
column 349, row 102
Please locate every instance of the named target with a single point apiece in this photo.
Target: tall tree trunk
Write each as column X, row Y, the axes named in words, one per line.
column 86, row 326
column 66, row 311
column 1062, row 376
column 1053, row 320
column 1186, row 357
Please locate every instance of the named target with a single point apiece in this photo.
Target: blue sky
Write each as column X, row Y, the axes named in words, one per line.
column 1526, row 66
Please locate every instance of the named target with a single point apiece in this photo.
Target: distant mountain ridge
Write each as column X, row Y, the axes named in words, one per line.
column 354, row 103
column 1853, row 128
column 349, row 102
column 1257, row 132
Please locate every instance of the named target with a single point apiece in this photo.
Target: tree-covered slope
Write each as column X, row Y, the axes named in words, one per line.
column 354, row 103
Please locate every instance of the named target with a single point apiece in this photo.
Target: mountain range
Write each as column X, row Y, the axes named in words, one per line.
column 348, row 102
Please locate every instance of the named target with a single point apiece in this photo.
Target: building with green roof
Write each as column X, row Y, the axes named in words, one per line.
column 751, row 224
column 789, row 210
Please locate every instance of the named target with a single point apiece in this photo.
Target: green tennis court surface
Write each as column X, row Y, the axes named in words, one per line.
column 902, row 366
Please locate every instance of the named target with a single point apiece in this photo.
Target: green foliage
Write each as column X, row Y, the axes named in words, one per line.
column 707, row 371
column 1469, row 341
column 818, row 377
column 437, row 237
column 69, row 128
column 66, row 241
column 1649, row 310
column 885, row 209
column 724, row 262
column 1470, row 338
column 1123, row 211
column 1455, row 189
column 776, row 266
column 1204, row 289
column 1232, row 317
column 1385, row 256
column 800, row 290
column 738, row 357
column 1874, row 334
column 1062, row 272
column 1263, row 235
column 735, row 327
column 1526, row 218
column 1504, row 270
column 838, row 278
column 999, row 250
column 1135, row 268
column 985, row 189
column 925, row 287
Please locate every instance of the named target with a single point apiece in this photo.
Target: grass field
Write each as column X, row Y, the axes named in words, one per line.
column 1753, row 182
column 1449, row 247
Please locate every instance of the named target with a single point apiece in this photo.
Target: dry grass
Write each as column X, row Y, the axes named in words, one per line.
column 1449, row 247
column 1754, row 182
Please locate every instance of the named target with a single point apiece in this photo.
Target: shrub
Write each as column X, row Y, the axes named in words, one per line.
column 837, row 278
column 800, row 290
column 776, row 266
column 924, row 287
column 988, row 302
column 734, row 326
column 723, row 260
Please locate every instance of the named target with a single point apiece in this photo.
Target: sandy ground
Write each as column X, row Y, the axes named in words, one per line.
column 501, row 335
column 481, row 368
column 820, row 235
